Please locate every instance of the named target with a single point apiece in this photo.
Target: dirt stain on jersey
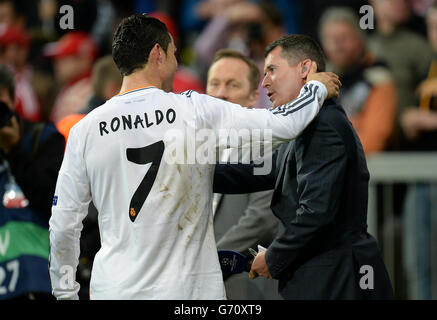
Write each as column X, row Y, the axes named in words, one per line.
column 193, row 210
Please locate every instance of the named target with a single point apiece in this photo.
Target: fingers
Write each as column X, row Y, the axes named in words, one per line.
column 334, row 78
column 313, row 67
column 252, row 274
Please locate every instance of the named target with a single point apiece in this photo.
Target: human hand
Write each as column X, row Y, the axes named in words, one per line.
column 244, row 12
column 210, row 8
column 415, row 120
column 427, row 88
column 329, row 79
column 9, row 135
column 259, row 267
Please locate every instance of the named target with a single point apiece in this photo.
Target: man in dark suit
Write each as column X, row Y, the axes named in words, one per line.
column 320, row 194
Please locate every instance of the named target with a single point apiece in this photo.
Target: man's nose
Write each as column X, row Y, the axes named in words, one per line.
column 266, row 82
column 222, row 92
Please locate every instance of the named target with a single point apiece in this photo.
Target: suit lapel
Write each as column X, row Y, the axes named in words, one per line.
column 283, row 155
column 282, row 160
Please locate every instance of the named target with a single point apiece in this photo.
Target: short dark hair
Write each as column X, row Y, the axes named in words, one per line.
column 7, row 81
column 298, row 47
column 254, row 73
column 134, row 38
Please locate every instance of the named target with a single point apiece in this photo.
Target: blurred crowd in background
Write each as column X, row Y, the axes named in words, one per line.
column 389, row 77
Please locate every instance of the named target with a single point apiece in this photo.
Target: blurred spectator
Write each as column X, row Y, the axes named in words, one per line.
column 368, row 94
column 106, row 83
column 14, row 50
column 195, row 13
column 419, row 125
column 312, row 10
column 31, row 155
column 47, row 10
column 241, row 221
column 73, row 57
column 399, row 48
column 10, row 13
column 245, row 27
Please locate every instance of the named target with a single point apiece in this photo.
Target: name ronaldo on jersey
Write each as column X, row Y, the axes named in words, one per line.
column 131, row 121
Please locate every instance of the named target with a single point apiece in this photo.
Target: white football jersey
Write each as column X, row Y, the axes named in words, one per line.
column 155, row 216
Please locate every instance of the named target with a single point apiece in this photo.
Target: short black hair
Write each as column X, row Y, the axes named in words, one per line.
column 134, row 38
column 254, row 73
column 298, row 47
column 7, row 81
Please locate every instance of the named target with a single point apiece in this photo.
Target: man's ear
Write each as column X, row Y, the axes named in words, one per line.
column 306, row 68
column 155, row 54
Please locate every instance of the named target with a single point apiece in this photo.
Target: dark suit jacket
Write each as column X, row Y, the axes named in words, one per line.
column 321, row 184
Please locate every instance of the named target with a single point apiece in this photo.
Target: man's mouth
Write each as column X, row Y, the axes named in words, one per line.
column 270, row 95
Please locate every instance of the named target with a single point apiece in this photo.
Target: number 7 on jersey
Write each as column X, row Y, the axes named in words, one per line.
column 151, row 153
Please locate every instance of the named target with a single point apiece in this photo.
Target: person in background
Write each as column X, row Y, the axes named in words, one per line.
column 246, row 27
column 245, row 220
column 14, row 51
column 106, row 83
column 394, row 44
column 10, row 13
column 419, row 126
column 194, row 13
column 73, row 57
column 31, row 155
column 368, row 94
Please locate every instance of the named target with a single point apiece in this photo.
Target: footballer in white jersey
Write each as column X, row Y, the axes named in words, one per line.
column 154, row 213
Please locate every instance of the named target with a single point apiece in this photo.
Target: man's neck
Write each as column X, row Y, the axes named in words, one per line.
column 139, row 79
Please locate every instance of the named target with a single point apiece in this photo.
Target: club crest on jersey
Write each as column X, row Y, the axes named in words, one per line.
column 132, row 212
column 55, row 201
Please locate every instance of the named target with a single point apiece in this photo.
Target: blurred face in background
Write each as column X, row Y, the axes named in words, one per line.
column 431, row 21
column 14, row 55
column 72, row 67
column 67, row 68
column 7, row 13
column 228, row 79
column 395, row 12
column 342, row 44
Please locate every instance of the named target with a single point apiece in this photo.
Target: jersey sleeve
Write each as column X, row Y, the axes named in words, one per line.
column 70, row 207
column 286, row 122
